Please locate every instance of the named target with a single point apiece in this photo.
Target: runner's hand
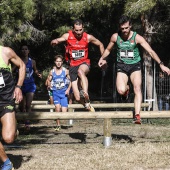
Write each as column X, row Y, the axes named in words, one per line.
column 165, row 69
column 18, row 95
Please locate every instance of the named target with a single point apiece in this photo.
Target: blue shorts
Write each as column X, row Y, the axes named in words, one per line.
column 61, row 99
column 28, row 88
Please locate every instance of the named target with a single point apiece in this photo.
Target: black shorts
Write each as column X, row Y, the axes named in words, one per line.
column 73, row 72
column 7, row 108
column 128, row 69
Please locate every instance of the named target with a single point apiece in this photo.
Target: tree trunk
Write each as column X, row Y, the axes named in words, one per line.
column 148, row 62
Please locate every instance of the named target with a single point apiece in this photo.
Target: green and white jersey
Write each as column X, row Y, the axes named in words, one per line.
column 127, row 51
column 7, row 84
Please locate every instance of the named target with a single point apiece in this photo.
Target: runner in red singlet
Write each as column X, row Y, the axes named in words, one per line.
column 77, row 54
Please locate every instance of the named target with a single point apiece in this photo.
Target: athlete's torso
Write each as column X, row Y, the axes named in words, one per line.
column 127, row 51
column 29, row 72
column 77, row 50
column 59, row 82
column 7, row 84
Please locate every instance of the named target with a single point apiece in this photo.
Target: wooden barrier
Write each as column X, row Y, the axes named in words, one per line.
column 96, row 105
column 90, row 115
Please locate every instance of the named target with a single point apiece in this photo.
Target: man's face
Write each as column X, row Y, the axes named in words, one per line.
column 161, row 75
column 125, row 28
column 58, row 62
column 25, row 50
column 78, row 31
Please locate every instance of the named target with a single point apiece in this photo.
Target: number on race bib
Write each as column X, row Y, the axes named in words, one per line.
column 2, row 83
column 77, row 54
column 128, row 54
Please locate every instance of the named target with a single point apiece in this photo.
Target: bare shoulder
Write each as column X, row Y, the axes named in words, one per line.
column 90, row 37
column 8, row 52
column 114, row 37
column 33, row 61
column 139, row 39
column 65, row 36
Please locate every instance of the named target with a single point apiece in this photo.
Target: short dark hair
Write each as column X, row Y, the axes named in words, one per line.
column 77, row 22
column 58, row 56
column 123, row 19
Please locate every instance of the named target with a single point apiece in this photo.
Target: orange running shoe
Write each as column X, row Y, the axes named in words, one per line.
column 89, row 107
column 137, row 119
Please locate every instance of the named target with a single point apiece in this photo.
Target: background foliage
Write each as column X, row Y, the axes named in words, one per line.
column 38, row 22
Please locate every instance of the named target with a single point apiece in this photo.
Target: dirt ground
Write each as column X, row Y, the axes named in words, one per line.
column 80, row 147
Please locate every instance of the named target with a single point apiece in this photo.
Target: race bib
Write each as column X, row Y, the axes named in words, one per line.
column 77, row 54
column 128, row 54
column 2, row 83
column 27, row 74
column 59, row 85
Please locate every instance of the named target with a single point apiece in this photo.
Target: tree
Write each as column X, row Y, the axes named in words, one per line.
column 155, row 21
column 14, row 15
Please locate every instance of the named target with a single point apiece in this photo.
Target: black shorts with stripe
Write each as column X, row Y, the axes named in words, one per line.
column 128, row 69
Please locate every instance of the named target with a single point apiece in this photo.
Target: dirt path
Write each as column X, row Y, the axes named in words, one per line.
column 134, row 147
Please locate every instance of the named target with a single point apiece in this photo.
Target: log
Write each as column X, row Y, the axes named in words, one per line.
column 90, row 115
column 96, row 105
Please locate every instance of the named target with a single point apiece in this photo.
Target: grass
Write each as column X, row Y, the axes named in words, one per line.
column 135, row 147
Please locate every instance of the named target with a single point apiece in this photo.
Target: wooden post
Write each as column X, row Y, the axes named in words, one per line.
column 70, row 121
column 107, row 141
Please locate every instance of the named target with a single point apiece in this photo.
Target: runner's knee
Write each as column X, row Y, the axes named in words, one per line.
column 80, row 73
column 137, row 89
column 9, row 138
column 121, row 90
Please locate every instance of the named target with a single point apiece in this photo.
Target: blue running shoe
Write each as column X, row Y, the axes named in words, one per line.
column 8, row 166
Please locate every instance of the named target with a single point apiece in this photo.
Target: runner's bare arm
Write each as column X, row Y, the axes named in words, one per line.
column 107, row 50
column 68, row 76
column 50, row 76
column 95, row 41
column 35, row 69
column 61, row 39
column 140, row 40
column 20, row 64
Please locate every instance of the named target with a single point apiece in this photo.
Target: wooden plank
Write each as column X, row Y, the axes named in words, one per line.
column 90, row 115
column 96, row 105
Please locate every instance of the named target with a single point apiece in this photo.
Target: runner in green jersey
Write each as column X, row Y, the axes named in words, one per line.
column 128, row 61
column 9, row 93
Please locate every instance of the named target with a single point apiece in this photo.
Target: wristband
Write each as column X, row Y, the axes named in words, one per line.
column 18, row 86
column 161, row 63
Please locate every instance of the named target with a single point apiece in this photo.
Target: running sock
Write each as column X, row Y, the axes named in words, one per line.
column 7, row 161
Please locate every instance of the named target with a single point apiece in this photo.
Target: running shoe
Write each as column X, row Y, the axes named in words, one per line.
column 137, row 119
column 85, row 96
column 27, row 126
column 89, row 107
column 125, row 96
column 57, row 128
column 8, row 166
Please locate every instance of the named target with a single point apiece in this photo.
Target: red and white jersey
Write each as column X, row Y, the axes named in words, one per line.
column 77, row 50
